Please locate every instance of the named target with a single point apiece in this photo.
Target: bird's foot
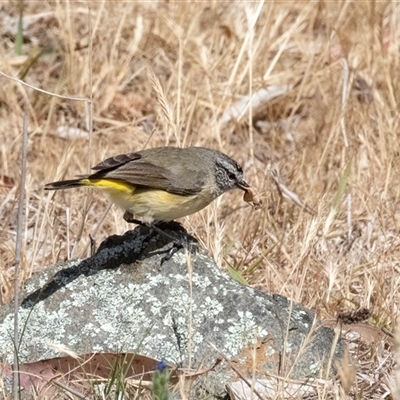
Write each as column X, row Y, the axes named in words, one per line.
column 176, row 234
column 128, row 217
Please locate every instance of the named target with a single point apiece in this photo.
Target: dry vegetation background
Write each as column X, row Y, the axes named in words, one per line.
column 333, row 137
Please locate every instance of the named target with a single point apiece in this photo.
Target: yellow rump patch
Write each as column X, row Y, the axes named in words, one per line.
column 110, row 185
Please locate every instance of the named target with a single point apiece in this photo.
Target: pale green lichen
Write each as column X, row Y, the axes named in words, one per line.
column 154, row 314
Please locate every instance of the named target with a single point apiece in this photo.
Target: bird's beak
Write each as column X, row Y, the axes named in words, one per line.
column 243, row 185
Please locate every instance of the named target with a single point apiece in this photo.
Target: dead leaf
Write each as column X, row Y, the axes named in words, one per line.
column 253, row 198
column 6, row 181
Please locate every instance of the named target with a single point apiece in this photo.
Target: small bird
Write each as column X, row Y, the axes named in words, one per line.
column 163, row 183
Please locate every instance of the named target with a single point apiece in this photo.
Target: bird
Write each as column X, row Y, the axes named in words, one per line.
column 164, row 183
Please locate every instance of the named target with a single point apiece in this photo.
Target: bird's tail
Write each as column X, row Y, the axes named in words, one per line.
column 66, row 184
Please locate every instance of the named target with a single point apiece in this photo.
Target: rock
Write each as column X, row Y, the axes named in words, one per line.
column 185, row 311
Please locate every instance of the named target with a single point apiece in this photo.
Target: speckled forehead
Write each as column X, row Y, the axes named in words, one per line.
column 227, row 161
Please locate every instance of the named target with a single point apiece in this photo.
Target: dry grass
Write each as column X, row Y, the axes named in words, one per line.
column 163, row 74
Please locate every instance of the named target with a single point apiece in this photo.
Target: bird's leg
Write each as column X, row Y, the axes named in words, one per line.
column 176, row 245
column 177, row 242
column 128, row 217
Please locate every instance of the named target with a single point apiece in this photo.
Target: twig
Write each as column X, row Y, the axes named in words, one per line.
column 345, row 66
column 241, row 376
column 349, row 219
column 18, row 245
column 69, row 389
column 44, row 91
column 96, row 228
column 285, row 192
column 89, row 127
column 202, row 371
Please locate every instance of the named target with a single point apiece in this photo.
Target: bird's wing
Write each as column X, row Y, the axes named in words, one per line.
column 140, row 171
column 116, row 161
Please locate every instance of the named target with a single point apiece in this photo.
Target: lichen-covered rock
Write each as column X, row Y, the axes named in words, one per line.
column 122, row 300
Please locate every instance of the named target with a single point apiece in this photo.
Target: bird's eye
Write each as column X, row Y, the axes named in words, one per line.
column 231, row 176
